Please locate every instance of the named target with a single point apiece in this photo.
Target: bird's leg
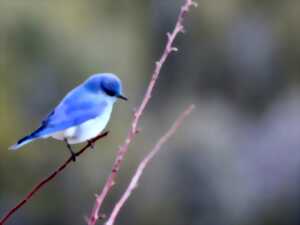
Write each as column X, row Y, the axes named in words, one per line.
column 73, row 155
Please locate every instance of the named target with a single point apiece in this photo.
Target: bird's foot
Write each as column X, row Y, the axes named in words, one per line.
column 92, row 144
column 73, row 157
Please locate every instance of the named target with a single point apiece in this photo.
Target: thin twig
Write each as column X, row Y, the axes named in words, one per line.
column 140, row 169
column 46, row 180
column 123, row 149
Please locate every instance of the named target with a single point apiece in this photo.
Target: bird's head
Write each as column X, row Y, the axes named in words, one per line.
column 106, row 83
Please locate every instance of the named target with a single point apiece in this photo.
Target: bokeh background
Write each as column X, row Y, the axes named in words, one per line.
column 235, row 161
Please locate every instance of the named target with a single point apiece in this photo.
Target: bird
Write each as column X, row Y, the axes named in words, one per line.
column 82, row 114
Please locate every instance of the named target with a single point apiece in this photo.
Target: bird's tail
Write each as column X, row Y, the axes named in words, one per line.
column 25, row 140
column 21, row 142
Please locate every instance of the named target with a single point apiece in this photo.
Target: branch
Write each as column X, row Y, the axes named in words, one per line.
column 46, row 180
column 123, row 149
column 140, row 169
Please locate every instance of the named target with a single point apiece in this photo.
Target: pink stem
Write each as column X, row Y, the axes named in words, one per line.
column 123, row 149
column 139, row 171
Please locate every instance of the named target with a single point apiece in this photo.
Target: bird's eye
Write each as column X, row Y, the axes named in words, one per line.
column 109, row 92
column 108, row 89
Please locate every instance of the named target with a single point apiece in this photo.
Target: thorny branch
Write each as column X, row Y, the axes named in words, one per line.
column 123, row 149
column 139, row 171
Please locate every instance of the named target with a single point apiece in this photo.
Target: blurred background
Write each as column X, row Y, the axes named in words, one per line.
column 235, row 161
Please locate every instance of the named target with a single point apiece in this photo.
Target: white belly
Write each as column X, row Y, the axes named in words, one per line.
column 86, row 130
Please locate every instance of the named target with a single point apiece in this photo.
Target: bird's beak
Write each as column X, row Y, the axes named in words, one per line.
column 122, row 97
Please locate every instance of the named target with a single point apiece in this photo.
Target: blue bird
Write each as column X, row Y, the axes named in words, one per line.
column 82, row 114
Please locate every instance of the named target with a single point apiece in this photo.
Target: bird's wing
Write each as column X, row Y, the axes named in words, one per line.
column 76, row 108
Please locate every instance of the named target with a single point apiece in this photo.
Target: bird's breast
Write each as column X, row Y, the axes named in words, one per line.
column 86, row 130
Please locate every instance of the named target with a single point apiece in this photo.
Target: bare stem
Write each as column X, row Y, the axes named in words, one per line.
column 46, row 180
column 140, row 169
column 123, row 149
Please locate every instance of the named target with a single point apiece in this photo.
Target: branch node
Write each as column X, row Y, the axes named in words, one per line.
column 137, row 130
column 174, row 49
column 169, row 35
column 195, row 4
column 134, row 110
column 182, row 30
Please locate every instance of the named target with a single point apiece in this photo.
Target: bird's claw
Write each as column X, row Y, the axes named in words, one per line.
column 92, row 144
column 73, row 157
